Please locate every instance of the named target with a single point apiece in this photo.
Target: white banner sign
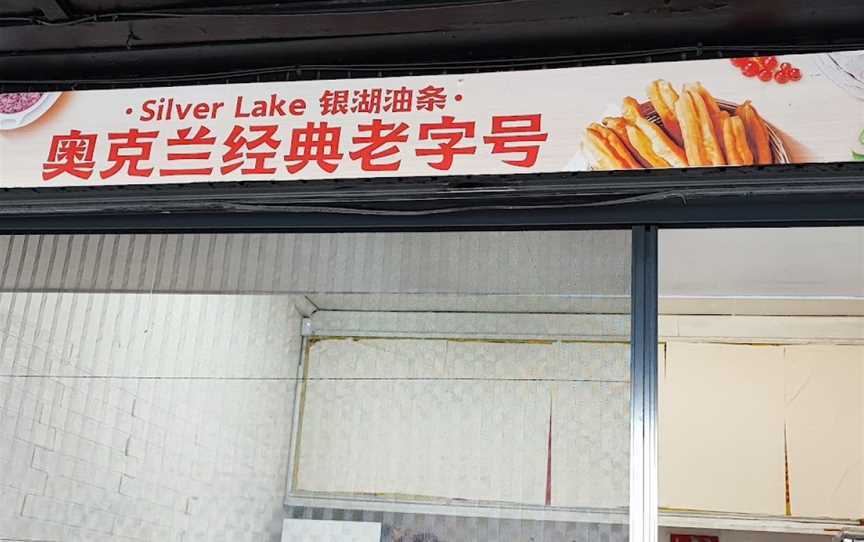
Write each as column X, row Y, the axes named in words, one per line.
column 767, row 110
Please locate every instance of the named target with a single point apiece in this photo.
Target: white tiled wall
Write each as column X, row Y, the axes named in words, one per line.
column 468, row 420
column 579, row 264
column 144, row 417
column 146, row 381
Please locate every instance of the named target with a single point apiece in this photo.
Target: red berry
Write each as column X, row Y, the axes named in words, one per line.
column 794, row 74
column 769, row 62
column 781, row 77
column 751, row 69
column 766, row 75
column 785, row 67
column 739, row 62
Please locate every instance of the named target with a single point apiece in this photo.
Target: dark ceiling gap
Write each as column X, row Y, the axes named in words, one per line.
column 182, row 42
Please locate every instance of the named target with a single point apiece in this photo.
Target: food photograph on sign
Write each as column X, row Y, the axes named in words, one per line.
column 21, row 108
column 685, row 128
column 754, row 111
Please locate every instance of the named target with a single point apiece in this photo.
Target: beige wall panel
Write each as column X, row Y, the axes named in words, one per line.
column 824, row 427
column 722, row 450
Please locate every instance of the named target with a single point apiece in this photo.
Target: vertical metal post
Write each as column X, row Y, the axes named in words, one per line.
column 643, row 391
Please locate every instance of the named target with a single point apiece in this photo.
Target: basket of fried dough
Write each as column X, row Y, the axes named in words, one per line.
column 686, row 129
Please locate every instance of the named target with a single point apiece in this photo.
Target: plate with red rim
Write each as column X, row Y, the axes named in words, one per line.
column 18, row 109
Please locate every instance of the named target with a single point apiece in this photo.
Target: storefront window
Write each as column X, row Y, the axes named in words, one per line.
column 761, row 419
column 399, row 387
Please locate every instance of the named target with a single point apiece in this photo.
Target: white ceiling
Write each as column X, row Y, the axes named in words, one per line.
column 784, row 262
column 776, row 271
column 766, row 271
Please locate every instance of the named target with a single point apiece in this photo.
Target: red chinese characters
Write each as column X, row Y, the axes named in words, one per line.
column 448, row 133
column 71, row 153
column 314, row 143
column 517, row 134
column 127, row 151
column 378, row 144
column 376, row 100
column 250, row 155
column 367, row 100
column 334, row 102
column 398, row 100
column 184, row 139
column 431, row 98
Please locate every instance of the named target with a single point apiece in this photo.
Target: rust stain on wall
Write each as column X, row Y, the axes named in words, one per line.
column 786, row 467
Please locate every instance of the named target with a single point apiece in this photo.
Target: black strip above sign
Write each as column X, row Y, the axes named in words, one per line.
column 152, row 38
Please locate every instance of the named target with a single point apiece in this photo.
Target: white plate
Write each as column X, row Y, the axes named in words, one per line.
column 23, row 118
column 844, row 69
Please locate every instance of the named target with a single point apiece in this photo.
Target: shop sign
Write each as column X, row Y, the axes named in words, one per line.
column 707, row 113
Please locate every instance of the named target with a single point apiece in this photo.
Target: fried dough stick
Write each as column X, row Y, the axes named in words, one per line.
column 757, row 133
column 661, row 144
column 618, row 145
column 608, row 149
column 738, row 151
column 691, row 131
column 710, row 142
column 636, row 140
column 663, row 97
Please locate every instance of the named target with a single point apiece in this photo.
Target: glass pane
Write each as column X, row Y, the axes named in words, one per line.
column 399, row 387
column 761, row 382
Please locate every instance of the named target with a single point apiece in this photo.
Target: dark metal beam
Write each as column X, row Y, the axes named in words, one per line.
column 53, row 10
column 418, row 193
column 191, row 43
column 730, row 211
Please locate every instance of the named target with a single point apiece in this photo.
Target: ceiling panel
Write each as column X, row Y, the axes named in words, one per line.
column 765, row 263
column 228, row 35
column 10, row 8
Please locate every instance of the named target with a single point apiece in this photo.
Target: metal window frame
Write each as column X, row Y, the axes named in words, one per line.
column 814, row 194
column 644, row 221
column 799, row 195
column 461, row 507
column 643, row 513
column 644, row 341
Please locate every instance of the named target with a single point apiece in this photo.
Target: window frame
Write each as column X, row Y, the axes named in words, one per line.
column 465, row 508
column 837, row 208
